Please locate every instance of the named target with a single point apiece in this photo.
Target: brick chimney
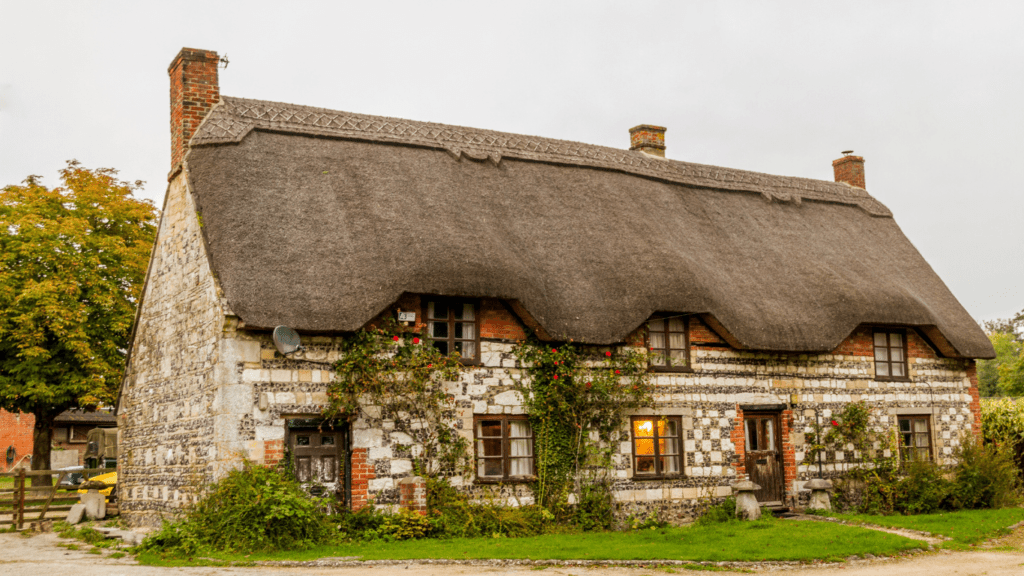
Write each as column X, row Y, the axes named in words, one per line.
column 194, row 90
column 850, row 169
column 647, row 138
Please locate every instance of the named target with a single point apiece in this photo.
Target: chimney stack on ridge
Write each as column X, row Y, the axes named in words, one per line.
column 647, row 138
column 850, row 169
column 194, row 90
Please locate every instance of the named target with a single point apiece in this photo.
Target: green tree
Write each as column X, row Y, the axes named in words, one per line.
column 1004, row 375
column 72, row 262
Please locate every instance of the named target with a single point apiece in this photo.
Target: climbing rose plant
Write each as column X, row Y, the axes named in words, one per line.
column 388, row 372
column 578, row 399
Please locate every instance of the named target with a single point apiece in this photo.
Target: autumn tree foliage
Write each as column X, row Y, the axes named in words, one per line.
column 72, row 263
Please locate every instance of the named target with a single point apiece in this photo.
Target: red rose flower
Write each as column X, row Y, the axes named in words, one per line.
column 553, row 351
column 608, row 353
column 415, row 340
column 430, row 365
column 834, row 423
column 589, row 385
column 556, row 376
column 395, row 338
column 617, row 372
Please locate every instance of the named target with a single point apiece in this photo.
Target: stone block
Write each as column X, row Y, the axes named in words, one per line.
column 95, row 505
column 509, row 398
column 367, row 438
column 76, row 513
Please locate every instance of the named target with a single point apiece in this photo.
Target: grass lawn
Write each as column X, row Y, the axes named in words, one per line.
column 965, row 527
column 737, row 541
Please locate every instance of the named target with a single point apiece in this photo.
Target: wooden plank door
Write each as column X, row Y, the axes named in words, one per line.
column 319, row 458
column 764, row 455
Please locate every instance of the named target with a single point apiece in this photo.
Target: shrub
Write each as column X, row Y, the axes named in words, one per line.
column 255, row 508
column 724, row 511
column 986, row 476
column 452, row 515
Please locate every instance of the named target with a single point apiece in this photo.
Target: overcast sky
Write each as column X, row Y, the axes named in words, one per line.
column 930, row 93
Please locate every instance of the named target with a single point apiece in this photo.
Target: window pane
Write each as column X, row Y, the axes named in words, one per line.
column 897, row 354
column 645, row 465
column 467, row 312
column 677, row 341
column 523, row 447
column 439, row 329
column 442, row 346
column 668, row 446
column 643, row 428
column 922, row 440
column 904, row 425
column 656, row 325
column 667, row 428
column 488, row 447
column 490, row 428
column 907, row 439
column 896, row 340
column 466, row 349
column 676, row 324
column 920, row 425
column 519, row 466
column 880, row 339
column 489, row 467
column 881, row 354
column 519, row 428
column 669, row 464
column 678, row 357
column 881, row 369
column 751, row 427
column 657, row 340
column 769, row 433
column 438, row 310
column 327, row 441
column 897, row 369
column 465, row 330
column 644, row 446
column 302, row 441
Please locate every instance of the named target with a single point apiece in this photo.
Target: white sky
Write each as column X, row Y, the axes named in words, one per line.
column 930, row 93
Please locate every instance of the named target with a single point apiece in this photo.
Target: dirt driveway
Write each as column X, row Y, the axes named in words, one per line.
column 41, row 555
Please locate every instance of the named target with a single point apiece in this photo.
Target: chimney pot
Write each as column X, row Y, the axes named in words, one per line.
column 849, row 169
column 648, row 138
column 195, row 89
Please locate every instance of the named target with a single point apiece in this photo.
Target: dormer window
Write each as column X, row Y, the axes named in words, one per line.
column 890, row 355
column 452, row 326
column 668, row 342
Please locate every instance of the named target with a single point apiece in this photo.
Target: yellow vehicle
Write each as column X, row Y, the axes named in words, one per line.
column 108, row 478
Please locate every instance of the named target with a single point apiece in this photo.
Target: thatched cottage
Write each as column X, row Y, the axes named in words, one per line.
column 775, row 299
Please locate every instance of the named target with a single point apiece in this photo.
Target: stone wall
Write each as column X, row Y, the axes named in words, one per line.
column 257, row 390
column 167, row 411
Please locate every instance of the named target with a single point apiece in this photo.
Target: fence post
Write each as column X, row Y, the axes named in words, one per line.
column 21, row 499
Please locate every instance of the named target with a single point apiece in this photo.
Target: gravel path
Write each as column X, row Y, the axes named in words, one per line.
column 42, row 555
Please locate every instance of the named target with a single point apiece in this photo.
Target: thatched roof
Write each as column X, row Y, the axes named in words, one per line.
column 319, row 220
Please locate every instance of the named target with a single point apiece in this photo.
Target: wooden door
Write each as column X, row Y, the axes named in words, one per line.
column 764, row 455
column 319, row 458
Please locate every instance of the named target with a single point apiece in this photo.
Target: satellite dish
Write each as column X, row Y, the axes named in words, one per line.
column 286, row 340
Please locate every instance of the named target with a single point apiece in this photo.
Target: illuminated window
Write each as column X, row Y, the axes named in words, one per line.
column 656, row 446
column 669, row 343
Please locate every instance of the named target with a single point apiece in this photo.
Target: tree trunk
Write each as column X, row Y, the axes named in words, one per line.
column 41, row 444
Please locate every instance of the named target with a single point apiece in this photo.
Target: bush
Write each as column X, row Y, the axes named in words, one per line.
column 724, row 511
column 252, row 509
column 986, row 476
column 453, row 516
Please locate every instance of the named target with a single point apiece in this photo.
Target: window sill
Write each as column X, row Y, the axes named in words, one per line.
column 637, row 478
column 671, row 369
column 892, row 379
column 513, row 480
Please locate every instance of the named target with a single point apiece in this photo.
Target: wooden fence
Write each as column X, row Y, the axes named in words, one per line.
column 23, row 503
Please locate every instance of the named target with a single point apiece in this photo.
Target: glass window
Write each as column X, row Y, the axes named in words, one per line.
column 890, row 354
column 452, row 326
column 504, row 448
column 656, row 446
column 915, row 437
column 668, row 342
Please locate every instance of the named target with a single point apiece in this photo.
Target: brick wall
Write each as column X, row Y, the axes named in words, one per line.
column 850, row 169
column 15, row 430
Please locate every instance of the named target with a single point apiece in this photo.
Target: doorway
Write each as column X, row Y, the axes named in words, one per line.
column 763, row 459
column 320, row 461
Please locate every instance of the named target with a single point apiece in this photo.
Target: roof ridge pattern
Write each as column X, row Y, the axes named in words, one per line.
column 233, row 118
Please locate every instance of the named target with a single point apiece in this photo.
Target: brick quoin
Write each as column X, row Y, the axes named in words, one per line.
column 15, row 430
column 273, row 452
column 362, row 473
column 194, row 90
